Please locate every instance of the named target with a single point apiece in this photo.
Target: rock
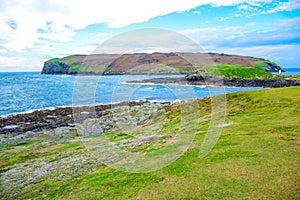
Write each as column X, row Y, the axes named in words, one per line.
column 71, row 125
column 51, row 116
column 58, row 131
column 125, row 114
column 55, row 167
column 55, row 67
column 90, row 127
column 10, row 126
column 176, row 101
column 261, row 83
column 225, row 82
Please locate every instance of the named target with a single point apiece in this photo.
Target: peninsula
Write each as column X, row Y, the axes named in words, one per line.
column 212, row 68
column 154, row 63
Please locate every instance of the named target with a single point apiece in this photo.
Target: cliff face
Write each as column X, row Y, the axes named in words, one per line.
column 55, row 68
column 140, row 63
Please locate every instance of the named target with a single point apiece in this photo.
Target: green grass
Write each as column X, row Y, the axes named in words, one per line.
column 264, row 65
column 73, row 64
column 236, row 71
column 55, row 60
column 73, row 68
column 168, row 69
column 63, row 148
column 28, row 150
column 256, row 157
column 26, row 143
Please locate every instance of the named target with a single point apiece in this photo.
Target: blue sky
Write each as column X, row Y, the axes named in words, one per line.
column 32, row 31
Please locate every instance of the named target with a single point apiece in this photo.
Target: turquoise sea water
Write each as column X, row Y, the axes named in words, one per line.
column 291, row 71
column 23, row 92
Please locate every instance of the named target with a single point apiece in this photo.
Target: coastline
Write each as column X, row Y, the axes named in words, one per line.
column 32, row 159
column 53, row 117
column 47, row 119
column 267, row 83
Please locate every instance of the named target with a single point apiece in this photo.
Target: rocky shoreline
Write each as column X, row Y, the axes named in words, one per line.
column 50, row 143
column 39, row 162
column 266, row 83
column 40, row 120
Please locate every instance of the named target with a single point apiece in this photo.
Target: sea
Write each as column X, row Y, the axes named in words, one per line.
column 22, row 92
column 291, row 71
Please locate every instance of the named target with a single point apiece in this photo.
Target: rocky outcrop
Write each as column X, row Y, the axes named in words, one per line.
column 207, row 81
column 108, row 116
column 58, row 67
column 261, row 83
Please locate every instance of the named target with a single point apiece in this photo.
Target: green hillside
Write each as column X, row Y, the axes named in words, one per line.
column 256, row 157
column 158, row 63
column 236, row 71
column 227, row 71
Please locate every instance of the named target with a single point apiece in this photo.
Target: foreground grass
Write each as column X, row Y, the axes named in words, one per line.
column 257, row 157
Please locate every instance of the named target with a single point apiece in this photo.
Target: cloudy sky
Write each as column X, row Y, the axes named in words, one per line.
column 32, row 31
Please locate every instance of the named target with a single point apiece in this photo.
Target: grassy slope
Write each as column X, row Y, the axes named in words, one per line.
column 257, row 157
column 236, row 71
column 75, row 63
column 230, row 71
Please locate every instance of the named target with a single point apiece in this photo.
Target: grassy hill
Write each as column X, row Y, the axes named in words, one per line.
column 139, row 63
column 256, row 157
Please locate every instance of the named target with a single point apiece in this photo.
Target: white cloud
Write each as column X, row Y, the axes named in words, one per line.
column 12, row 61
column 236, row 2
column 284, row 55
column 104, row 34
column 203, row 34
column 244, row 7
column 40, row 25
column 286, row 6
column 209, row 39
column 3, row 51
column 210, row 31
column 280, row 46
column 287, row 23
column 25, row 23
column 243, row 36
column 57, row 32
column 253, row 3
column 223, row 19
column 196, row 12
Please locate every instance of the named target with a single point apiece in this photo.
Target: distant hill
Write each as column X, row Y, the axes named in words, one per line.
column 154, row 63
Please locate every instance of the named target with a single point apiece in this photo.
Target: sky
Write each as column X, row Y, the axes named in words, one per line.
column 33, row 31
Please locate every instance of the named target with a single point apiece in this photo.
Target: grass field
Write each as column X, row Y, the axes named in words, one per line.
column 256, row 157
column 226, row 71
column 236, row 71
